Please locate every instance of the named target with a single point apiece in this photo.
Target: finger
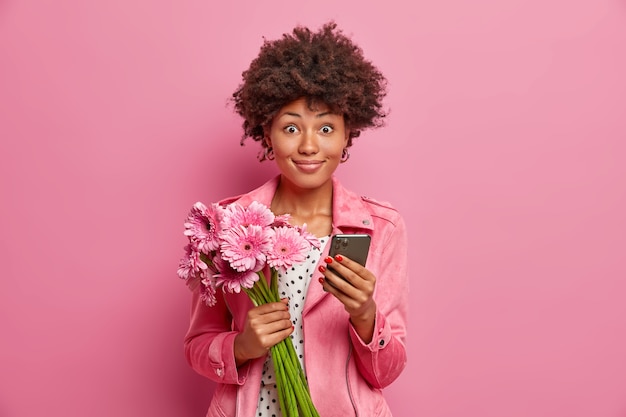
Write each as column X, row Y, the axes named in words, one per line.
column 269, row 308
column 350, row 295
column 276, row 327
column 353, row 266
column 276, row 337
column 338, row 286
column 338, row 293
column 340, row 274
column 343, row 282
column 270, row 317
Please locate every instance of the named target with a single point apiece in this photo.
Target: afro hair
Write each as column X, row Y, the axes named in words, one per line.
column 325, row 66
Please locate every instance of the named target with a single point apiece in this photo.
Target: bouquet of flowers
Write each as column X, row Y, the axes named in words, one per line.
column 231, row 247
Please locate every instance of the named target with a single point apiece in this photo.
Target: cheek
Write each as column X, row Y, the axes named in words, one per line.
column 282, row 148
column 335, row 148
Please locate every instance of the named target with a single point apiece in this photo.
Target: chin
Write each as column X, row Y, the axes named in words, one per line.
column 311, row 182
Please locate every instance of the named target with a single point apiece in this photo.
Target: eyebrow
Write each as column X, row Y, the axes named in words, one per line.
column 298, row 115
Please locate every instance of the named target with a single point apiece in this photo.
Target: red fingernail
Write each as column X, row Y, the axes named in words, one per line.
column 322, row 269
column 321, row 280
column 328, row 260
column 339, row 258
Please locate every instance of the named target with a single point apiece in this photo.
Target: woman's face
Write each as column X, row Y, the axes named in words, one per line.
column 307, row 143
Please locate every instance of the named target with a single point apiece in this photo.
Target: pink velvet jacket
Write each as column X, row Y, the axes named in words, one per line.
column 345, row 374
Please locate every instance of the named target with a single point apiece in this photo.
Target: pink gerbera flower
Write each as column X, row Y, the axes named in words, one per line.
column 289, row 248
column 198, row 273
column 282, row 220
column 207, row 289
column 235, row 215
column 258, row 214
column 191, row 266
column 232, row 280
column 201, row 227
column 245, row 247
column 311, row 238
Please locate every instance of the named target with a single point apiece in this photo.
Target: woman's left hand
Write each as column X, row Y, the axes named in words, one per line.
column 353, row 285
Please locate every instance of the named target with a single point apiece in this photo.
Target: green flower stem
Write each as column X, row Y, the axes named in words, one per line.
column 292, row 386
column 262, row 284
column 282, row 388
column 293, row 356
column 292, row 406
column 295, row 379
column 252, row 295
column 274, row 283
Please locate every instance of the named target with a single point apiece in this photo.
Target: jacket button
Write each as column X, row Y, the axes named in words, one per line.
column 219, row 372
column 381, row 343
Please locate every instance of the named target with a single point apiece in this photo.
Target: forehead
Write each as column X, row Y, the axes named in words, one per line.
column 304, row 106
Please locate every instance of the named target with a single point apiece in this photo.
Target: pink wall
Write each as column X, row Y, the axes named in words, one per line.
column 504, row 150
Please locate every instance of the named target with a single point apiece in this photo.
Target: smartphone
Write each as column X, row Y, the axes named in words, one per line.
column 354, row 246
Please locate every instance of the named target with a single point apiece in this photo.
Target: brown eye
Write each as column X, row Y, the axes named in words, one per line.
column 327, row 129
column 291, row 129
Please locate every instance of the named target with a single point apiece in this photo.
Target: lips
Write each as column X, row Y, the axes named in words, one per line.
column 308, row 166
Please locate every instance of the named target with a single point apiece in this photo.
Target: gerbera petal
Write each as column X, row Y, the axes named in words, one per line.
column 258, row 214
column 191, row 265
column 232, row 280
column 289, row 248
column 311, row 238
column 245, row 247
column 282, row 220
column 202, row 227
column 207, row 291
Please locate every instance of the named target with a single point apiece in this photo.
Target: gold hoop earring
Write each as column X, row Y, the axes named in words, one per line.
column 345, row 155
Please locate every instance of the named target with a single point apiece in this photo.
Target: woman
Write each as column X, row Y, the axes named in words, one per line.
column 305, row 98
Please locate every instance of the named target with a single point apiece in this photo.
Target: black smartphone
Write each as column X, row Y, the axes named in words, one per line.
column 354, row 246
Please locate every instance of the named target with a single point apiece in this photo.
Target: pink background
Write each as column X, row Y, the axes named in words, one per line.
column 504, row 150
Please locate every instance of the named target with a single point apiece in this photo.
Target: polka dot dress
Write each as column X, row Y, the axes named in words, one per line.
column 292, row 284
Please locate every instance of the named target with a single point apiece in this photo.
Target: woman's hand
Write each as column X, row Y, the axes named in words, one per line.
column 265, row 326
column 355, row 291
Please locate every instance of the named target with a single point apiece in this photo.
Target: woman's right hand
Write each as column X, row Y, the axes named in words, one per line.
column 265, row 326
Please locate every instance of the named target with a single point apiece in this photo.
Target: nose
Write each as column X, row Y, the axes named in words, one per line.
column 308, row 143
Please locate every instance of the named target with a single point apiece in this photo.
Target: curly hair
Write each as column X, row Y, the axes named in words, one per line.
column 325, row 67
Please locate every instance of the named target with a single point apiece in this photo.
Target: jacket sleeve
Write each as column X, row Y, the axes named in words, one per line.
column 209, row 343
column 382, row 360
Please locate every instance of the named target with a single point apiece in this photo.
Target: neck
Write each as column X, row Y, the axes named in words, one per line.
column 311, row 206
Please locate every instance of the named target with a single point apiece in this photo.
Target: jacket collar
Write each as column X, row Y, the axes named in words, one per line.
column 349, row 210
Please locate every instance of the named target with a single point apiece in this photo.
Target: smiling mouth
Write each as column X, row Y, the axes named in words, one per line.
column 307, row 162
column 308, row 166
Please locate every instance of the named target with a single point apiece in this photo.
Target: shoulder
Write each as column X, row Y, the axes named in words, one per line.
column 386, row 220
column 229, row 200
column 262, row 194
column 384, row 205
column 383, row 208
column 350, row 208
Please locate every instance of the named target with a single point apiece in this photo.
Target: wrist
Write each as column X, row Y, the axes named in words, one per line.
column 363, row 324
column 240, row 357
column 366, row 316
